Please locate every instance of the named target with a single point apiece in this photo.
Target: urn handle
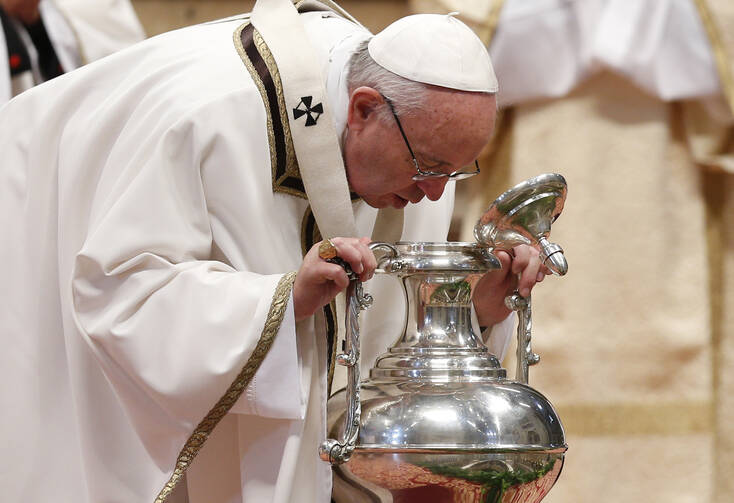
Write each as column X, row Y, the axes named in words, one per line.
column 523, row 215
column 339, row 451
column 525, row 355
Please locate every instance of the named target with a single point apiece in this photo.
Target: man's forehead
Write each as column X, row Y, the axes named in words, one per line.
column 449, row 108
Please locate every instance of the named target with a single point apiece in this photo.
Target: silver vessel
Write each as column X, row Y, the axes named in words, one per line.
column 438, row 420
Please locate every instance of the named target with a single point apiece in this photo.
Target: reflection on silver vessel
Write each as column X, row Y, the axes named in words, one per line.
column 438, row 420
column 446, row 478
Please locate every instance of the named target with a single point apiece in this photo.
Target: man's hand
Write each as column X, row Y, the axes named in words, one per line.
column 493, row 287
column 26, row 11
column 319, row 281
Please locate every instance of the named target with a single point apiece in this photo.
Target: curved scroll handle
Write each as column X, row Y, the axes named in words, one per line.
column 525, row 355
column 339, row 451
column 523, row 215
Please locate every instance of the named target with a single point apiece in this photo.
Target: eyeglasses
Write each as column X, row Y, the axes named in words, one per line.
column 429, row 175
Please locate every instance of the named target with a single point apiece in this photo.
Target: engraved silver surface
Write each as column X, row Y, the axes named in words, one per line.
column 438, row 340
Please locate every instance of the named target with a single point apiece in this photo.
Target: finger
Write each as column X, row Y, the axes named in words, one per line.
column 319, row 271
column 523, row 255
column 529, row 276
column 348, row 250
column 504, row 257
column 333, row 273
column 358, row 255
column 368, row 261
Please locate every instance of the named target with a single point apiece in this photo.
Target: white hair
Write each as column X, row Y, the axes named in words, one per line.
column 407, row 96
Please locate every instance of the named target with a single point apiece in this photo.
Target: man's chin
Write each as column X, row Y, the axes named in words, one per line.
column 398, row 202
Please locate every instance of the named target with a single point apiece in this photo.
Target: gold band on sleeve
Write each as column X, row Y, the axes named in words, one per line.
column 202, row 431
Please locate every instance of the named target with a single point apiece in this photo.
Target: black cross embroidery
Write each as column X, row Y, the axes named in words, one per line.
column 313, row 113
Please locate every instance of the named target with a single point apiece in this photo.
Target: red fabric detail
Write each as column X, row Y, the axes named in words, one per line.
column 15, row 61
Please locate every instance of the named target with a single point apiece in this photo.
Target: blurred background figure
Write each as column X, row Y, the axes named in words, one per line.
column 632, row 102
column 42, row 39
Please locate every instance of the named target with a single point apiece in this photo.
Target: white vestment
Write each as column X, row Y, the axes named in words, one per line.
column 144, row 245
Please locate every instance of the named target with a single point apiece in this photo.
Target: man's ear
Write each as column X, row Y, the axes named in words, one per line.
column 363, row 104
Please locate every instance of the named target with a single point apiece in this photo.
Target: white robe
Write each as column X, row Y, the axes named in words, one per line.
column 143, row 244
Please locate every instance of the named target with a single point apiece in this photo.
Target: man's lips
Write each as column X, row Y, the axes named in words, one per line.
column 399, row 201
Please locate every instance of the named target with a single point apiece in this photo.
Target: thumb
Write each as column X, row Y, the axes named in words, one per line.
column 505, row 259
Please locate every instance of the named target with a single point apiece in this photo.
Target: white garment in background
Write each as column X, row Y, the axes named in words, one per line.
column 544, row 48
column 102, row 26
column 80, row 31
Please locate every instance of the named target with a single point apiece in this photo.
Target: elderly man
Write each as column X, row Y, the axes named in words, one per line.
column 152, row 207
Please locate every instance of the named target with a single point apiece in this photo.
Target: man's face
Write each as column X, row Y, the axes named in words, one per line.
column 446, row 136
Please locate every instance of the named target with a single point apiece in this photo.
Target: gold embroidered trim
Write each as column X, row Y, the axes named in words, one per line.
column 289, row 180
column 720, row 55
column 202, row 431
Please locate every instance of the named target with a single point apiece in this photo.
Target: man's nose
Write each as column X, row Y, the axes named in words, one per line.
column 433, row 187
